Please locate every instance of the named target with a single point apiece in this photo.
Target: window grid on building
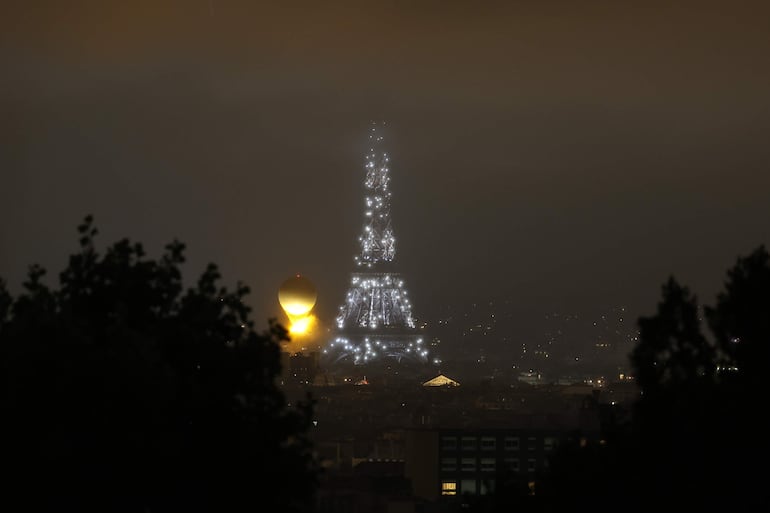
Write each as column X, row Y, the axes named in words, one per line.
column 512, row 464
column 448, row 464
column 511, row 443
column 487, row 464
column 488, row 443
column 448, row 443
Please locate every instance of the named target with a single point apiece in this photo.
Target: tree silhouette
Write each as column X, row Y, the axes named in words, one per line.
column 698, row 425
column 740, row 320
column 674, row 352
column 122, row 391
column 698, row 430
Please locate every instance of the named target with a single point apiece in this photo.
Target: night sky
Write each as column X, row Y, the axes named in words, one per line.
column 567, row 156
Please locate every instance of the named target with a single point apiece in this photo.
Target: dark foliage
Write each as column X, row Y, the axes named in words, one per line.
column 697, row 436
column 121, row 391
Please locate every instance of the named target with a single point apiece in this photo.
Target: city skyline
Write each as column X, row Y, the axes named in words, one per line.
column 558, row 219
column 566, row 158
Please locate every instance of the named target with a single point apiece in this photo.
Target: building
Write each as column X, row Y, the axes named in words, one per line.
column 441, row 381
column 495, row 448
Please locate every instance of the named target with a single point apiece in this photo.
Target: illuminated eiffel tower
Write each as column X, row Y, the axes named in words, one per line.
column 375, row 321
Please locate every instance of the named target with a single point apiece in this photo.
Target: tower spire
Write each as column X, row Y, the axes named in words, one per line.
column 378, row 243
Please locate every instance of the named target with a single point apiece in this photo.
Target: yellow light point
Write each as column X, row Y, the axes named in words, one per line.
column 302, row 325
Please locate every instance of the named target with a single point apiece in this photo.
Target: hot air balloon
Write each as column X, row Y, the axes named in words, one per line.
column 297, row 296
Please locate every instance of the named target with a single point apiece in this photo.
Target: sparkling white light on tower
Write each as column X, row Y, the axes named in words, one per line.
column 376, row 317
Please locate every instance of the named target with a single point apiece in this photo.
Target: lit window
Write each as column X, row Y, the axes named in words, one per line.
column 448, row 487
column 488, row 443
column 468, row 464
column 511, row 443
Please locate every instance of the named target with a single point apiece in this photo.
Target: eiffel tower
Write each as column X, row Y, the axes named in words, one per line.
column 375, row 321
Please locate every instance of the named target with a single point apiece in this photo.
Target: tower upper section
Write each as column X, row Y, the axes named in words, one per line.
column 378, row 244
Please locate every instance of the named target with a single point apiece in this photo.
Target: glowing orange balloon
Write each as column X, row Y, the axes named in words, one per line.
column 297, row 296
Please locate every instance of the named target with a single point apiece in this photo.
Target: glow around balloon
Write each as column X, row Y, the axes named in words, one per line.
column 297, row 296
